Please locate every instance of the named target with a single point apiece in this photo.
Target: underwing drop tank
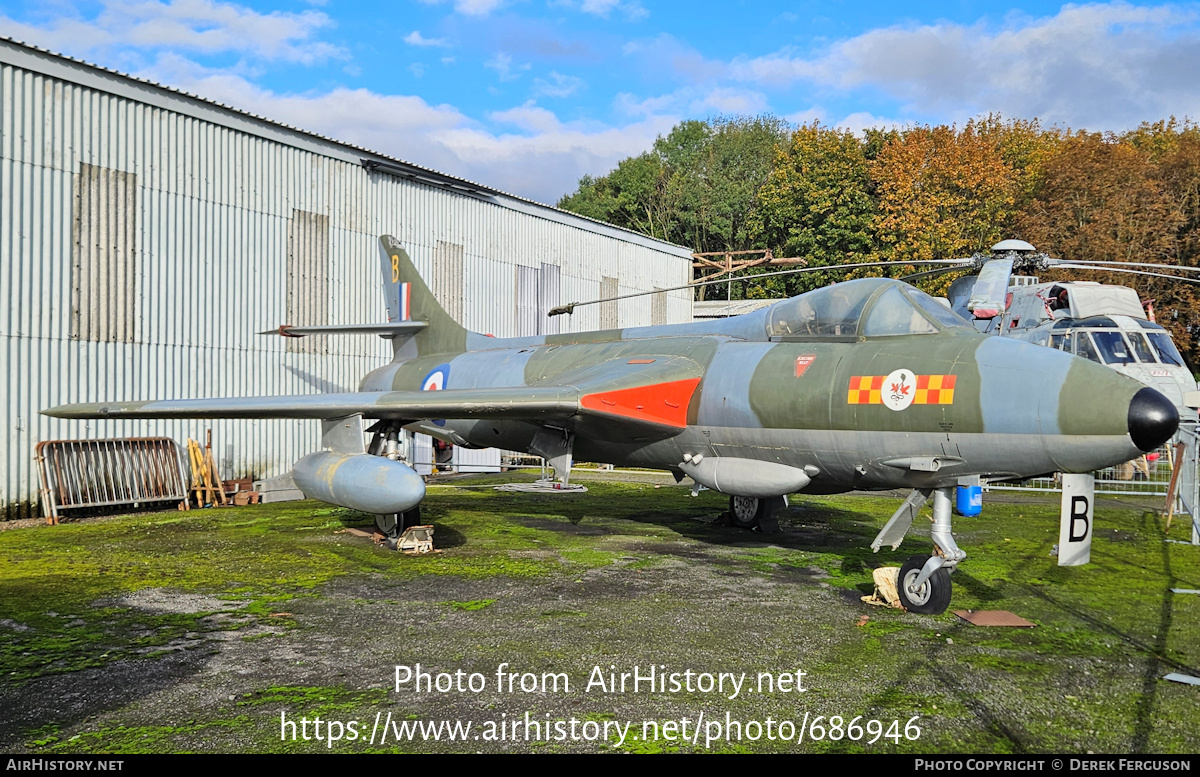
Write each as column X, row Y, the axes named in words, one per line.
column 372, row 484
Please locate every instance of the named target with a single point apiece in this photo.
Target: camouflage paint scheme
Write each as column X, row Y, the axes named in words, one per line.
column 647, row 396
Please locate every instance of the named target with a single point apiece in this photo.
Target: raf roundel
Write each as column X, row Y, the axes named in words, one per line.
column 436, row 379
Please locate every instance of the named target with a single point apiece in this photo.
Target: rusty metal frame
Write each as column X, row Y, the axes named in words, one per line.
column 79, row 474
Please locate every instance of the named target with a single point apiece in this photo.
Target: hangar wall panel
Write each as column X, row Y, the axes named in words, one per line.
column 104, row 255
column 308, row 279
column 145, row 236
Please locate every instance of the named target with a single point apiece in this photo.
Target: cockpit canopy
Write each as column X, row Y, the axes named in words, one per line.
column 868, row 307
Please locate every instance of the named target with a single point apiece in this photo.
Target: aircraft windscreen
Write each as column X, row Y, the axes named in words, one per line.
column 829, row 312
column 1084, row 347
column 1138, row 341
column 893, row 314
column 1113, row 348
column 936, row 310
column 1165, row 348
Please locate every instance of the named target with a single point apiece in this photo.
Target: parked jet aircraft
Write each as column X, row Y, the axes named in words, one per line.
column 867, row 384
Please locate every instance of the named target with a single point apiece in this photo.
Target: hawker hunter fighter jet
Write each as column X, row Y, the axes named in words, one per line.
column 866, row 384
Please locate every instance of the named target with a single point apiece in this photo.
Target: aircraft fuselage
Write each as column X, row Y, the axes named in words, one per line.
column 965, row 404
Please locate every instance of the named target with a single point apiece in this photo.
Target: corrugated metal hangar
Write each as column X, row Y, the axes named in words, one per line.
column 147, row 234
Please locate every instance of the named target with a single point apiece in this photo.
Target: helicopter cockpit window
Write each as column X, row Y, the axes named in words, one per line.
column 1166, row 350
column 1140, row 347
column 1084, row 347
column 829, row 312
column 894, row 314
column 1113, row 348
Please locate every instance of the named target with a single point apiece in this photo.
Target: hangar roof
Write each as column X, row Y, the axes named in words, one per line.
column 20, row 54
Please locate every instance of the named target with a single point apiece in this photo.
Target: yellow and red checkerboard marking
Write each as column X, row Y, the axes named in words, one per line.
column 931, row 390
column 866, row 390
column 935, row 390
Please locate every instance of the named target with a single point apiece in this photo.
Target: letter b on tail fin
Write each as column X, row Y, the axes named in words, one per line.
column 397, row 291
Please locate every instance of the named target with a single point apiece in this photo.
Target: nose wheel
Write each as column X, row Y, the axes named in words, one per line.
column 924, row 581
column 931, row 597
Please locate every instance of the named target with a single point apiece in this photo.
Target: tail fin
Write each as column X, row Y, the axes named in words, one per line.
column 409, row 299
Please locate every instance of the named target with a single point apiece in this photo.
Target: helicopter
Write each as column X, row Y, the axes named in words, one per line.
column 1104, row 323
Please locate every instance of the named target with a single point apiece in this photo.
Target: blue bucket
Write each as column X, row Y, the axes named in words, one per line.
column 969, row 500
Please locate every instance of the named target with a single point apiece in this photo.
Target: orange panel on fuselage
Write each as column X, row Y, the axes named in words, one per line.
column 660, row 403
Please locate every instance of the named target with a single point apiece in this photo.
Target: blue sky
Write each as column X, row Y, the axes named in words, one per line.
column 528, row 95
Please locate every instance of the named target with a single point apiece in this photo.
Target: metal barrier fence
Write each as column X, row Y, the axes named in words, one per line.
column 1152, row 475
column 1188, row 489
column 97, row 473
column 1147, row 476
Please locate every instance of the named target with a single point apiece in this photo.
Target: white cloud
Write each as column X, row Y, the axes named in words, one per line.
column 806, row 116
column 630, row 9
column 598, row 7
column 502, row 64
column 470, row 7
column 542, row 158
column 417, row 69
column 476, row 7
column 632, row 106
column 861, row 121
column 415, row 38
column 1103, row 66
column 667, row 54
column 200, row 26
column 725, row 99
column 549, row 163
column 557, row 85
column 528, row 117
column 694, row 99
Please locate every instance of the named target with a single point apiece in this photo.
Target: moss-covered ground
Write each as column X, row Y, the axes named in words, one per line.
column 197, row 631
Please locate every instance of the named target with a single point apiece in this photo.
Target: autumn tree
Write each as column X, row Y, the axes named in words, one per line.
column 631, row 196
column 817, row 204
column 1024, row 146
column 1103, row 199
column 942, row 194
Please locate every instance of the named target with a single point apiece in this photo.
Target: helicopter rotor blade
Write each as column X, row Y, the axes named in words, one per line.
column 935, row 272
column 1073, row 266
column 1106, row 263
column 570, row 306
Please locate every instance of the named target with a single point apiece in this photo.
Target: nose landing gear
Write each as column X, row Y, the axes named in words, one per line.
column 924, row 581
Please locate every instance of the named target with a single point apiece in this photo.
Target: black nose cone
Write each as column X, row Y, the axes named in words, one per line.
column 1152, row 419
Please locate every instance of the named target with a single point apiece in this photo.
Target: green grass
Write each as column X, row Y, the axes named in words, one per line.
column 61, row 607
column 477, row 604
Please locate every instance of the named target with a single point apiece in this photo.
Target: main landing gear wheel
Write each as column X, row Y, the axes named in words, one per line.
column 751, row 512
column 745, row 511
column 392, row 525
column 933, row 597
